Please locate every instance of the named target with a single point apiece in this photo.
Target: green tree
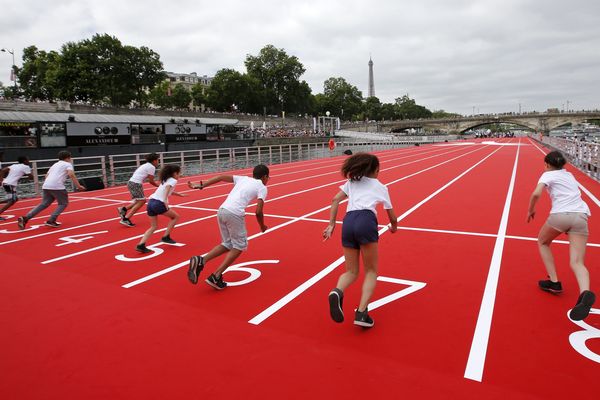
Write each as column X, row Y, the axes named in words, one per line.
column 409, row 109
column 198, row 96
column 181, row 98
column 372, row 108
column 341, row 98
column 278, row 75
column 160, row 95
column 230, row 87
column 36, row 76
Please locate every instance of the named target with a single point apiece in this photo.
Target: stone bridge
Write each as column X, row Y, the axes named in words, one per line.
column 539, row 122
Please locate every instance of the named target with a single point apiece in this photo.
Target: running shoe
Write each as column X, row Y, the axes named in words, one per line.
column 584, row 304
column 52, row 224
column 22, row 221
column 3, row 219
column 196, row 266
column 549, row 286
column 336, row 299
column 218, row 284
column 167, row 239
column 126, row 222
column 122, row 211
column 142, row 249
column 362, row 318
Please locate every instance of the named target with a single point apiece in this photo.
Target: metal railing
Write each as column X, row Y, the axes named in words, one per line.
column 116, row 169
column 584, row 155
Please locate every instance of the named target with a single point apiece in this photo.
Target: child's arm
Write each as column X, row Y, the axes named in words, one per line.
column 393, row 220
column 535, row 196
column 260, row 217
column 211, row 181
column 152, row 181
column 333, row 214
column 75, row 181
column 3, row 173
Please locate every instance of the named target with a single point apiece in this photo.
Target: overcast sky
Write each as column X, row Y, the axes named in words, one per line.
column 457, row 55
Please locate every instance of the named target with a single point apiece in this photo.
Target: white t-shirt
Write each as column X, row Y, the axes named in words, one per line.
column 564, row 192
column 245, row 190
column 16, row 172
column 142, row 172
column 57, row 175
column 366, row 194
column 164, row 191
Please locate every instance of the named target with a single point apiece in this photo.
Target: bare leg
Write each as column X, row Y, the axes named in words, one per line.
column 352, row 263
column 227, row 261
column 215, row 252
column 174, row 218
column 9, row 203
column 545, row 238
column 370, row 260
column 577, row 245
column 150, row 231
column 134, row 207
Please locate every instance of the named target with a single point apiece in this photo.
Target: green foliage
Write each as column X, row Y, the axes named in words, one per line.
column 372, row 109
column 341, row 98
column 198, row 96
column 231, row 90
column 407, row 108
column 160, row 95
column 278, row 77
column 180, row 97
column 439, row 114
column 99, row 70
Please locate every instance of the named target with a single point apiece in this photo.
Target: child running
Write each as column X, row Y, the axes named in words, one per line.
column 359, row 231
column 9, row 178
column 54, row 189
column 569, row 214
column 136, row 188
column 231, row 222
column 159, row 205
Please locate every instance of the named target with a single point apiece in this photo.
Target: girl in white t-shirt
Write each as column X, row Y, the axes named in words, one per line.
column 569, row 214
column 359, row 231
column 159, row 205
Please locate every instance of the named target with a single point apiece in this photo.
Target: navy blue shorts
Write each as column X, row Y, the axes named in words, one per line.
column 359, row 227
column 11, row 193
column 156, row 207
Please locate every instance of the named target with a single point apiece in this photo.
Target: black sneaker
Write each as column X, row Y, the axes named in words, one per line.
column 196, row 266
column 52, row 224
column 336, row 299
column 582, row 308
column 122, row 211
column 549, row 286
column 126, row 222
column 167, row 239
column 218, row 284
column 363, row 319
column 3, row 219
column 142, row 249
column 22, row 221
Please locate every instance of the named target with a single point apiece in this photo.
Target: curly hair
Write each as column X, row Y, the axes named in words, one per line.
column 168, row 171
column 359, row 165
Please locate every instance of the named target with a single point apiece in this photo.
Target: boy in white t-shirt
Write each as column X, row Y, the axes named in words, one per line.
column 136, row 188
column 9, row 178
column 232, row 223
column 54, row 189
column 569, row 214
column 360, row 234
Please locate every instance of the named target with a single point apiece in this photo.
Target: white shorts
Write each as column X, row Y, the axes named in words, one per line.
column 569, row 222
column 233, row 230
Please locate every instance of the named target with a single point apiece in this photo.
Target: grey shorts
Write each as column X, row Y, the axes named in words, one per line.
column 136, row 190
column 569, row 222
column 233, row 230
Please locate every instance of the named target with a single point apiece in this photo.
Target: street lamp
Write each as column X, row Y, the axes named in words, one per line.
column 13, row 74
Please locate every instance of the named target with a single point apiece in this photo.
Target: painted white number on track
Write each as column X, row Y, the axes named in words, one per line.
column 29, row 228
column 253, row 273
column 156, row 251
column 578, row 339
column 78, row 238
column 412, row 287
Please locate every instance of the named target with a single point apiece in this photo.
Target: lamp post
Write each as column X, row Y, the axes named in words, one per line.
column 13, row 73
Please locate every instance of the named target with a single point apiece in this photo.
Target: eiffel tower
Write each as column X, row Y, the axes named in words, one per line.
column 371, row 81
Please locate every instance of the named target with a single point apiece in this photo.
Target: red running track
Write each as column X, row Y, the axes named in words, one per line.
column 457, row 310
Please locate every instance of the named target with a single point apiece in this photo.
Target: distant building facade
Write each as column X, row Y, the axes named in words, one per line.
column 188, row 80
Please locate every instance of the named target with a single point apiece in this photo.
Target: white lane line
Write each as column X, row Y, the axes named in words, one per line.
column 476, row 360
column 583, row 188
column 181, row 264
column 262, row 316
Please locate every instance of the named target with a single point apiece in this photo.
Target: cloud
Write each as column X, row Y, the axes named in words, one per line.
column 447, row 54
